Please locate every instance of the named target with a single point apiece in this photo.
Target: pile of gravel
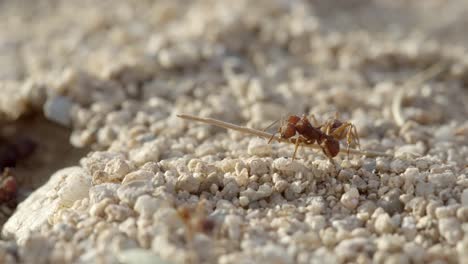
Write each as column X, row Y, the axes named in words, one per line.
column 157, row 188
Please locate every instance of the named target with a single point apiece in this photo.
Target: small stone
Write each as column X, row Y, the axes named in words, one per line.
column 450, row 229
column 464, row 197
column 382, row 164
column 398, row 166
column 242, row 178
column 408, row 226
column 188, row 183
column 383, row 224
column 397, row 258
column 287, row 165
column 347, row 224
column 139, row 256
column 149, row 152
column 442, row 180
column 462, row 214
column 131, row 191
column 281, row 185
column 116, row 169
column 350, row 248
column 142, row 175
column 258, row 167
column 259, row 147
column 264, row 191
column 244, row 201
column 391, row 203
column 446, row 211
column 316, row 222
column 97, row 209
column 106, row 190
column 36, row 249
column 414, row 251
column 117, row 212
column 75, row 187
column 350, row 199
column 411, row 174
column 146, row 205
column 57, row 109
column 424, row 189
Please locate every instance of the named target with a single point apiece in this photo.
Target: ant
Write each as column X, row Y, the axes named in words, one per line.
column 195, row 220
column 327, row 136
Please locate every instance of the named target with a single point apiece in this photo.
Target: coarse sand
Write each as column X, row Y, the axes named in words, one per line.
column 115, row 176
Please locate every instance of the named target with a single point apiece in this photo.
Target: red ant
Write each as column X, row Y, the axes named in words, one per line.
column 196, row 220
column 327, row 136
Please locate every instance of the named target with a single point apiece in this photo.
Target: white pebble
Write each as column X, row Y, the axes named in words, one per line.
column 464, row 197
column 116, row 212
column 383, row 224
column 57, row 109
column 242, row 177
column 244, row 201
column 143, row 175
column 188, row 183
column 258, row 167
column 129, row 192
column 442, row 180
column 350, row 199
column 102, row 191
column 450, row 229
column 398, row 165
column 116, row 169
column 287, row 165
column 146, row 153
column 76, row 187
column 146, row 205
column 259, row 147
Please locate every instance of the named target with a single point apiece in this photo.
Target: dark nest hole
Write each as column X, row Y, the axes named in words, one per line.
column 31, row 150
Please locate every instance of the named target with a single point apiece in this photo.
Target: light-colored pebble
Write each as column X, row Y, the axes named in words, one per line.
column 350, row 199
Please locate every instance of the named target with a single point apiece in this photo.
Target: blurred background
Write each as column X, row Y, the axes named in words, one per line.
column 42, row 36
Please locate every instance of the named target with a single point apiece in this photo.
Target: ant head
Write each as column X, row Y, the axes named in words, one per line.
column 293, row 119
column 288, row 131
column 336, row 124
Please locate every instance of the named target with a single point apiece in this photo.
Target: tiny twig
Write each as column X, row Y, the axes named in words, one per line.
column 265, row 135
column 415, row 80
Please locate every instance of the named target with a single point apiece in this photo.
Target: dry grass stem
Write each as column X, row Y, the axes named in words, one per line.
column 415, row 80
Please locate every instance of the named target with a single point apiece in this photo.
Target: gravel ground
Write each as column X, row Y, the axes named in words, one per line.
column 149, row 187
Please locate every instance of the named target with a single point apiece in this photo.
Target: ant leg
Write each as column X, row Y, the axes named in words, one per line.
column 314, row 120
column 328, row 156
column 270, row 125
column 356, row 137
column 274, row 134
column 349, row 137
column 327, row 128
column 295, row 148
column 271, row 138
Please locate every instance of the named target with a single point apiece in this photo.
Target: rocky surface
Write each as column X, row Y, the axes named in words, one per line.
column 158, row 189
